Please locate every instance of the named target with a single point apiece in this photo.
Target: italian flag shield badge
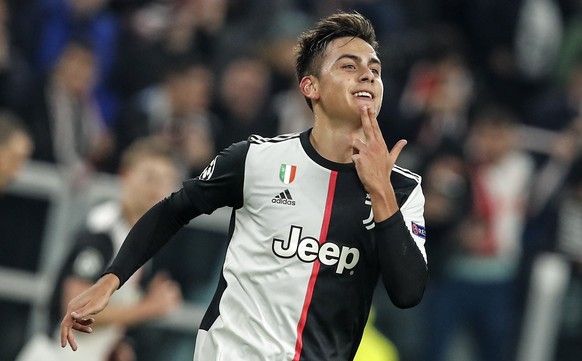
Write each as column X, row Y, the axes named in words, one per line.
column 287, row 173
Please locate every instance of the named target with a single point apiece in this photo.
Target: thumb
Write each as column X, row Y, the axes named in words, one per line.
column 88, row 309
column 81, row 313
column 397, row 148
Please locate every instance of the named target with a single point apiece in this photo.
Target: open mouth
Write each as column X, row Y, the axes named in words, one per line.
column 364, row 95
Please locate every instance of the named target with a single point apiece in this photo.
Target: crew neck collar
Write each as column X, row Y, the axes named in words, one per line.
column 317, row 158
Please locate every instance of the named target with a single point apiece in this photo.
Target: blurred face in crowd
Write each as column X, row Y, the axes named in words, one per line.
column 192, row 90
column 13, row 155
column 147, row 181
column 244, row 86
column 75, row 71
column 488, row 142
column 349, row 78
column 86, row 8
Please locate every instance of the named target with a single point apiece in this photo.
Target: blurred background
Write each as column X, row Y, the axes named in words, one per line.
column 488, row 94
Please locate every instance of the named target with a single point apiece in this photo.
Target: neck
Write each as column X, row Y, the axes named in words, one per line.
column 334, row 142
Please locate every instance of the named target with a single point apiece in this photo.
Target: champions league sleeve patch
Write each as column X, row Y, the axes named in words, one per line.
column 418, row 230
column 207, row 172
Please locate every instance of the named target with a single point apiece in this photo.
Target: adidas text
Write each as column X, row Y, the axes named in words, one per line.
column 284, row 198
column 283, row 201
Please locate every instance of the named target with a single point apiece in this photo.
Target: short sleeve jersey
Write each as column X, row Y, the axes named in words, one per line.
column 301, row 264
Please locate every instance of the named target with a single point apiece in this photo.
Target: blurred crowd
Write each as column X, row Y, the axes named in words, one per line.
column 488, row 94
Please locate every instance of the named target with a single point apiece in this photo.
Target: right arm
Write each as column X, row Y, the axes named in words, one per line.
column 150, row 233
column 218, row 185
column 163, row 295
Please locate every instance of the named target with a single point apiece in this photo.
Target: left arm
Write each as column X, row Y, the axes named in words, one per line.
column 401, row 254
column 402, row 264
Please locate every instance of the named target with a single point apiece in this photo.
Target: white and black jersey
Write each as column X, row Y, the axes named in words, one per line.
column 304, row 253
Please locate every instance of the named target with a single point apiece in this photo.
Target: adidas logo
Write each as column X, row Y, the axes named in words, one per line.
column 284, row 198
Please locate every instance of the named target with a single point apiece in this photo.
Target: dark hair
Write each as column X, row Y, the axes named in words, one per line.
column 312, row 43
column 494, row 115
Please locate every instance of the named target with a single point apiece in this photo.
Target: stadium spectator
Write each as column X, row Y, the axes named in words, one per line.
column 480, row 255
column 15, row 72
column 243, row 101
column 147, row 173
column 60, row 22
column 15, row 147
column 158, row 32
column 177, row 109
column 66, row 123
column 567, row 238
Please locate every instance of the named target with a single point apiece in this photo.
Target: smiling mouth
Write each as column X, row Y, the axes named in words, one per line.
column 364, row 95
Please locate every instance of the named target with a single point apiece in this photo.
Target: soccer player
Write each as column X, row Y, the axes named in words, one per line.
column 317, row 218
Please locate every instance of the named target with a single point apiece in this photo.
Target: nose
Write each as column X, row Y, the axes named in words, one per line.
column 367, row 75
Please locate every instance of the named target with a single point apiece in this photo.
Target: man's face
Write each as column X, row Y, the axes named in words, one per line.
column 350, row 78
column 13, row 155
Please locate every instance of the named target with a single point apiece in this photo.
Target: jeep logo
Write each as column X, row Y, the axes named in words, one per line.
column 308, row 249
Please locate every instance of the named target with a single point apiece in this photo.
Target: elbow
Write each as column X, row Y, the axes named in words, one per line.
column 409, row 298
column 409, row 291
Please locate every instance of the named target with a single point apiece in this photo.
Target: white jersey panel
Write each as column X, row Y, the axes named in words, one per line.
column 266, row 280
column 413, row 212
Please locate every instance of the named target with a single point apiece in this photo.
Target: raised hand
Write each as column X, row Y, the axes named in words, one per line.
column 374, row 163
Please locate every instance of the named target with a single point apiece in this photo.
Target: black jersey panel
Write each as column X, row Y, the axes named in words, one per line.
column 342, row 294
column 404, row 183
column 317, row 158
column 213, row 311
column 221, row 183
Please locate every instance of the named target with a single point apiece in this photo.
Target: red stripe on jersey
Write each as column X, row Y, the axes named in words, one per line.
column 316, row 265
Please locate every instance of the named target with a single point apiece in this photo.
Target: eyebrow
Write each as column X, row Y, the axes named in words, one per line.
column 358, row 59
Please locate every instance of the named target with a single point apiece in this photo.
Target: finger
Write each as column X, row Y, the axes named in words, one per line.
column 83, row 312
column 397, row 148
column 366, row 124
column 66, row 325
column 85, row 321
column 358, row 145
column 375, row 126
column 82, row 328
column 71, row 340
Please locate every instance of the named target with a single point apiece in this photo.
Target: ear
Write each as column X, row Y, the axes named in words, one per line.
column 308, row 86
